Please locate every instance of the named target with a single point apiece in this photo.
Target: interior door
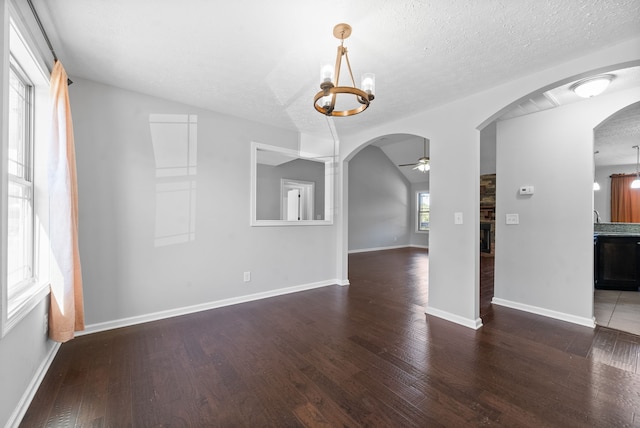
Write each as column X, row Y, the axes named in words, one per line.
column 293, row 205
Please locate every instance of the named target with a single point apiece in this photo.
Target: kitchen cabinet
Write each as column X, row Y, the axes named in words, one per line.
column 617, row 262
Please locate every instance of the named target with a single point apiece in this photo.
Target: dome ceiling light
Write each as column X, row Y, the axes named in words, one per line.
column 592, row 86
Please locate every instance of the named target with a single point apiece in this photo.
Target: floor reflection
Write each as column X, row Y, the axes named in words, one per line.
column 619, row 310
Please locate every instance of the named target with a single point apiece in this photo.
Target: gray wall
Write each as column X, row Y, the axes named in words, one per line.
column 488, row 149
column 126, row 274
column 379, row 202
column 546, row 261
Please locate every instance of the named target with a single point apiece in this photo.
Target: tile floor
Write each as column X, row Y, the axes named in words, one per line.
column 619, row 310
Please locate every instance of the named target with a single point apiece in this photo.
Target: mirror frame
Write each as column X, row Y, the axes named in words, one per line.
column 328, row 186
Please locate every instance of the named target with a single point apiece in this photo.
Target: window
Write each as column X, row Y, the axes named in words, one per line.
column 20, row 186
column 423, row 212
column 24, row 116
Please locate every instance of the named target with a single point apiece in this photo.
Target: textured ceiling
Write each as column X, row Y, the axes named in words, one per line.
column 260, row 60
column 614, row 138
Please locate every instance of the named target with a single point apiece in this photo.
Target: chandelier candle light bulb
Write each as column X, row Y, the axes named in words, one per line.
column 368, row 83
column 326, row 74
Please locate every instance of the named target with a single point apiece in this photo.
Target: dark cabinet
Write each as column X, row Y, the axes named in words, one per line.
column 617, row 262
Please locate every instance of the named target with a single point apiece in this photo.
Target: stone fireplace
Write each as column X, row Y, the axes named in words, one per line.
column 487, row 214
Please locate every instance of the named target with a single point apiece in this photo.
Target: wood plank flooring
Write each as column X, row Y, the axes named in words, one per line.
column 362, row 355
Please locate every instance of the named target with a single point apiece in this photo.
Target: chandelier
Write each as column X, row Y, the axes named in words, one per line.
column 325, row 101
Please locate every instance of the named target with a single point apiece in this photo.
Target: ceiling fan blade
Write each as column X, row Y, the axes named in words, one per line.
column 409, row 164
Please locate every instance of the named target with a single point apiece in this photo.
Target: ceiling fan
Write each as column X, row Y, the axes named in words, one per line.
column 423, row 163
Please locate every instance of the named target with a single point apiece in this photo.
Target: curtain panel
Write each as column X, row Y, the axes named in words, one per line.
column 66, row 313
column 625, row 201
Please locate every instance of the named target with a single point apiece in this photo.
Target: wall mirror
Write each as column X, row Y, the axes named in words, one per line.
column 289, row 188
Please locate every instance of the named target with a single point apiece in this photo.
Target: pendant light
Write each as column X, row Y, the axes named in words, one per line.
column 596, row 185
column 635, row 184
column 325, row 101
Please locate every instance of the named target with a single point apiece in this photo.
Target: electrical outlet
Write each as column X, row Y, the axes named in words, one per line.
column 512, row 219
column 45, row 324
column 247, row 276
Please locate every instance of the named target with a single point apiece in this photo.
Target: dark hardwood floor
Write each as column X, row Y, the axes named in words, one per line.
column 362, row 355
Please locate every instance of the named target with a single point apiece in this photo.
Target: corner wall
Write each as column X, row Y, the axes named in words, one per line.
column 379, row 202
column 155, row 239
column 544, row 264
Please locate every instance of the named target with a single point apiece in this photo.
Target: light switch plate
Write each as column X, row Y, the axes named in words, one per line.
column 526, row 190
column 513, row 219
column 457, row 218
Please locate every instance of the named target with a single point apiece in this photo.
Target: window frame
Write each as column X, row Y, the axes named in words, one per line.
column 18, row 292
column 19, row 44
column 418, row 211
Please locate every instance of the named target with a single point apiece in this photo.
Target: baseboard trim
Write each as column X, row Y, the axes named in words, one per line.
column 424, row 247
column 366, row 250
column 155, row 316
column 466, row 322
column 393, row 247
column 587, row 322
column 32, row 388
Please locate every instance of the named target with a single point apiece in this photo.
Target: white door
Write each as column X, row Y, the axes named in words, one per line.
column 293, row 205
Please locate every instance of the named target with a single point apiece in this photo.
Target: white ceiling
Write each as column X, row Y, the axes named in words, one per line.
column 260, row 60
column 614, row 138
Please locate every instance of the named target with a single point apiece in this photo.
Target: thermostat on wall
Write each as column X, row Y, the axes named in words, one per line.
column 526, row 190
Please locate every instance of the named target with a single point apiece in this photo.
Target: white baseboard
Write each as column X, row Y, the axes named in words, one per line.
column 393, row 247
column 466, row 322
column 366, row 250
column 587, row 322
column 125, row 322
column 32, row 388
column 424, row 247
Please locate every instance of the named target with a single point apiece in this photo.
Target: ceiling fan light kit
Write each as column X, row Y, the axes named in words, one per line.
column 325, row 100
column 423, row 164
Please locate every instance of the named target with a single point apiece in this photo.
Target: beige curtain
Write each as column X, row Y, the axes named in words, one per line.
column 66, row 313
column 625, row 201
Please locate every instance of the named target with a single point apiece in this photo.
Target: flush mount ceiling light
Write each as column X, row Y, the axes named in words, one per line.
column 326, row 101
column 592, row 86
column 635, row 184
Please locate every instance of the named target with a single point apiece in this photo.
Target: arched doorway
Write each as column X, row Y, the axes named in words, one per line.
column 548, row 150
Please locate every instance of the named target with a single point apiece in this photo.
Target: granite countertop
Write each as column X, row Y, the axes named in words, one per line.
column 616, row 229
column 620, row 234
